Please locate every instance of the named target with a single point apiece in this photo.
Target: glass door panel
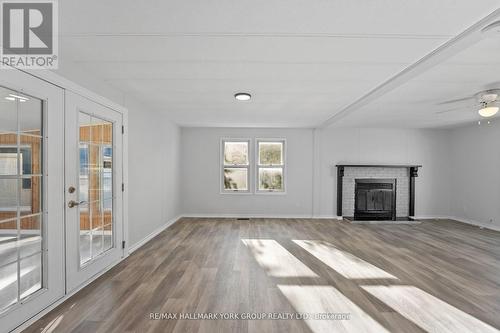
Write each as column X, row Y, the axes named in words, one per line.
column 31, row 214
column 21, row 211
column 94, row 196
column 96, row 186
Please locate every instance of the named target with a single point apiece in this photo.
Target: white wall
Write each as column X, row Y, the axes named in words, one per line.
column 312, row 155
column 384, row 146
column 475, row 174
column 154, row 144
column 201, row 175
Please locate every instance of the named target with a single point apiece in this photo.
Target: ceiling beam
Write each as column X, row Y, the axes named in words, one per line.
column 467, row 38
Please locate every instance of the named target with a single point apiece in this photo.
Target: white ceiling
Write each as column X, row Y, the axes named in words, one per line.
column 426, row 100
column 303, row 61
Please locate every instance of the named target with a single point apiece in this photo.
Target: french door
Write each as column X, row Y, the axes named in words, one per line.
column 93, row 158
column 31, row 196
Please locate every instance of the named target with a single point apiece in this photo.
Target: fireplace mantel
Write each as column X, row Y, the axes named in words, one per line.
column 379, row 165
column 413, row 172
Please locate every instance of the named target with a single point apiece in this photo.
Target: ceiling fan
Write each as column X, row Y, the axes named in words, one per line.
column 485, row 103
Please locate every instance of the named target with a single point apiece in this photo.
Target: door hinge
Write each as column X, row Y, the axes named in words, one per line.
column 123, row 187
column 123, row 129
column 123, row 244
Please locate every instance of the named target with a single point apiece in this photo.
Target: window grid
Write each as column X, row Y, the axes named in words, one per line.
column 239, row 169
column 21, row 222
column 270, row 173
column 95, row 171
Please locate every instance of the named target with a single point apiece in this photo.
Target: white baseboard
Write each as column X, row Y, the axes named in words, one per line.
column 327, row 217
column 476, row 223
column 146, row 239
column 261, row 216
column 462, row 220
column 430, row 217
column 255, row 216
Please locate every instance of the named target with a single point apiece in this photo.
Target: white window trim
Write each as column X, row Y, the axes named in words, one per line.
column 257, row 166
column 249, row 167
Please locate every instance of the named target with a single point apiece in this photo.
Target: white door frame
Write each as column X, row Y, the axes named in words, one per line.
column 76, row 273
column 70, row 86
column 43, row 79
column 53, row 181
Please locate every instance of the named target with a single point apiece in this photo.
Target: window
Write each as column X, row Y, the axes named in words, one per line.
column 270, row 165
column 235, row 165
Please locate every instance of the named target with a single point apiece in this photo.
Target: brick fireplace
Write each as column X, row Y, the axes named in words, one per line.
column 375, row 202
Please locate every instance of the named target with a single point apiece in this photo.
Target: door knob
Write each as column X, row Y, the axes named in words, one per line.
column 73, row 203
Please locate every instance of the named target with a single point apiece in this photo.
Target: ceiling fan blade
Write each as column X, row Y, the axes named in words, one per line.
column 455, row 100
column 462, row 108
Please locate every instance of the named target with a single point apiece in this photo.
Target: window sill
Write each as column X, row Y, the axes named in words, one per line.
column 236, row 192
column 271, row 193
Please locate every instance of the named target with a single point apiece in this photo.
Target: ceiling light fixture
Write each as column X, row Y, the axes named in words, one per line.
column 10, row 98
column 242, row 96
column 488, row 111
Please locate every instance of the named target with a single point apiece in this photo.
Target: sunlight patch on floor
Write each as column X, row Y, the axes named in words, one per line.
column 427, row 311
column 343, row 262
column 276, row 260
column 327, row 299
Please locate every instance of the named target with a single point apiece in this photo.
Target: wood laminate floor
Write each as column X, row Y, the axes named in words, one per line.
column 438, row 276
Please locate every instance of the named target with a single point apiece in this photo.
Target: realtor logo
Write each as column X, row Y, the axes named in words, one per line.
column 29, row 34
